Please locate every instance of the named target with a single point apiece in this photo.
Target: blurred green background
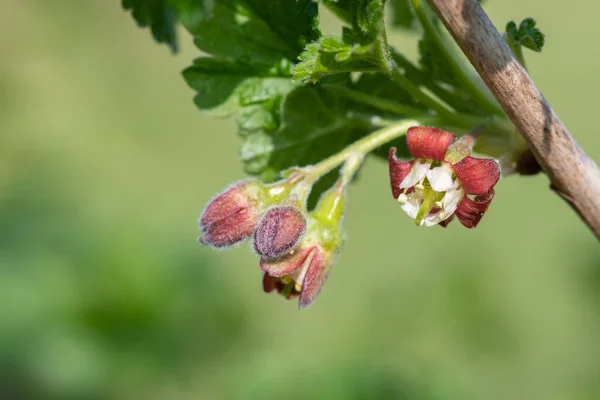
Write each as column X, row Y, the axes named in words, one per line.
column 105, row 165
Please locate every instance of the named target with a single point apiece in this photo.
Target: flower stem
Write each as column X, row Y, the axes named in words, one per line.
column 460, row 68
column 421, row 79
column 365, row 145
column 351, row 166
column 389, row 66
column 354, row 154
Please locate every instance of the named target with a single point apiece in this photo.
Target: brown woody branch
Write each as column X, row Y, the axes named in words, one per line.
column 573, row 175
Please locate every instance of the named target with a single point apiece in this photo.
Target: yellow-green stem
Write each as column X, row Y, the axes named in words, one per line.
column 365, row 145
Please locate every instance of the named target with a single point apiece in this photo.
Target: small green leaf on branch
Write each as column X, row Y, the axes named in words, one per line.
column 526, row 34
column 356, row 50
column 332, row 55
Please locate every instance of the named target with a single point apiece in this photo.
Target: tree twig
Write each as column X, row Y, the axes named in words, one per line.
column 572, row 173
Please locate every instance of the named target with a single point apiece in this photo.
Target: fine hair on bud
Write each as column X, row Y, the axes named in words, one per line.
column 231, row 216
column 278, row 232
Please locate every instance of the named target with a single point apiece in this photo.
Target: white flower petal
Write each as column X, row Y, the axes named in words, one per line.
column 440, row 178
column 451, row 201
column 435, row 218
column 416, row 174
column 449, row 204
column 411, row 207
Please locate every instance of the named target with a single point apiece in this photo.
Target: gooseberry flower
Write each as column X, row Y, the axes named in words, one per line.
column 435, row 186
column 279, row 231
column 303, row 270
column 232, row 216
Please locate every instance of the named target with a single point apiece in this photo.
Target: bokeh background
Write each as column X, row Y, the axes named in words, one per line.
column 105, row 165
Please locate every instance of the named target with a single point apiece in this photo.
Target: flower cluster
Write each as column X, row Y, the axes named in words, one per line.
column 303, row 270
column 435, row 186
column 296, row 248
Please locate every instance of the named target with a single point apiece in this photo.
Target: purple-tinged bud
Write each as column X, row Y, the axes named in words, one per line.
column 232, row 216
column 304, row 269
column 278, row 232
column 315, row 276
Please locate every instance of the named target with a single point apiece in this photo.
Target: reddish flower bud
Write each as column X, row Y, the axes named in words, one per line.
column 305, row 273
column 278, row 232
column 231, row 216
column 303, row 270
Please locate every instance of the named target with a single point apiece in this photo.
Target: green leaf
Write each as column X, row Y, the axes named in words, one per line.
column 357, row 50
column 369, row 19
column 315, row 123
column 435, row 63
column 332, row 55
column 443, row 61
column 259, row 118
column 379, row 86
column 251, row 31
column 251, row 46
column 225, row 87
column 402, row 15
column 254, row 43
column 438, row 68
column 159, row 15
column 365, row 16
column 527, row 35
column 318, row 121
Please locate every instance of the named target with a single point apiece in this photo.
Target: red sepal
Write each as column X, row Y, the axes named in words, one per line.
column 469, row 212
column 398, row 171
column 477, row 175
column 426, row 142
column 315, row 277
column 270, row 283
column 287, row 264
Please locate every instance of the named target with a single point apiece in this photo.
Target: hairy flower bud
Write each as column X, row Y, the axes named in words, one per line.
column 231, row 216
column 303, row 270
column 278, row 232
